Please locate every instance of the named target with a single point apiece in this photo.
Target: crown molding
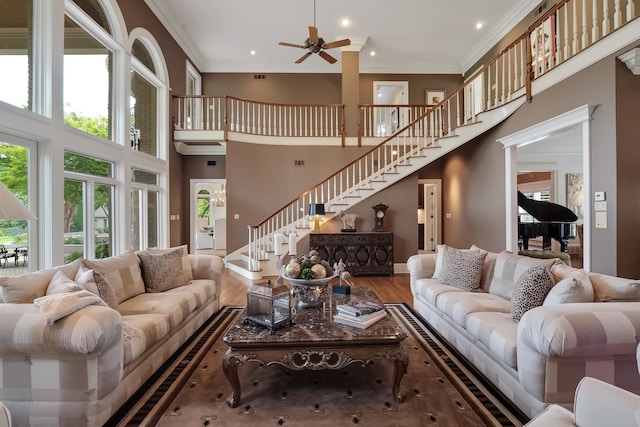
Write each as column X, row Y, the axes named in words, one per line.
column 632, row 60
column 517, row 13
column 168, row 20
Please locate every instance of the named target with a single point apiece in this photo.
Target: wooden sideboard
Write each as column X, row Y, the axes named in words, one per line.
column 363, row 253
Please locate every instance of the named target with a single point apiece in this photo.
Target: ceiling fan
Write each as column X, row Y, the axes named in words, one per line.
column 315, row 44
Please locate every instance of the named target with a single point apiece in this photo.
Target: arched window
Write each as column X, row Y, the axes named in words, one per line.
column 147, row 89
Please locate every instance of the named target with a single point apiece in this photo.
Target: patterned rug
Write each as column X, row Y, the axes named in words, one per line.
column 441, row 389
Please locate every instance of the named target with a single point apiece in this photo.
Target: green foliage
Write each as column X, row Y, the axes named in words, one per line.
column 13, row 169
column 98, row 126
column 103, row 250
column 73, row 241
column 73, row 256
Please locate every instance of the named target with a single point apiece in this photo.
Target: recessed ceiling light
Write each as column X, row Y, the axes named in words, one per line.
column 345, row 22
column 479, row 25
column 372, row 53
column 253, row 52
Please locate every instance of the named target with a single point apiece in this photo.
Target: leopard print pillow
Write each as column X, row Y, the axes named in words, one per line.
column 530, row 290
column 462, row 269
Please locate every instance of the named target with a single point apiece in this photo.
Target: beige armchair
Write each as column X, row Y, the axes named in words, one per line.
column 5, row 417
column 597, row 404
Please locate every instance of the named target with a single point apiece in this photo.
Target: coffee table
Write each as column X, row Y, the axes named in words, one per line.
column 315, row 342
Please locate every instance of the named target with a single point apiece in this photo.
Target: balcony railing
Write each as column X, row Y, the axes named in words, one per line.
column 564, row 31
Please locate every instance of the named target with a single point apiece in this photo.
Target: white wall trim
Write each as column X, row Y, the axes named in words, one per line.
column 580, row 116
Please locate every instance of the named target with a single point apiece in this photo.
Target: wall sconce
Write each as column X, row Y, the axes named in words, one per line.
column 316, row 209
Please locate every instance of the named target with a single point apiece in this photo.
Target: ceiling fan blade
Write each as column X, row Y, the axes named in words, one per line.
column 337, row 43
column 313, row 35
column 330, row 59
column 303, row 57
column 290, row 44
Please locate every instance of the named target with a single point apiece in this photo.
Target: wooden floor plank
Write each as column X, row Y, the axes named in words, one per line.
column 389, row 289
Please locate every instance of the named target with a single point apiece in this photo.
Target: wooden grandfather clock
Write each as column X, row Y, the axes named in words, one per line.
column 380, row 212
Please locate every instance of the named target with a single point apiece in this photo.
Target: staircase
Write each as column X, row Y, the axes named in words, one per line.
column 584, row 32
column 394, row 159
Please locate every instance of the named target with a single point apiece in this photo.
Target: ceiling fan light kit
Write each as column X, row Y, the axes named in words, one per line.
column 316, row 44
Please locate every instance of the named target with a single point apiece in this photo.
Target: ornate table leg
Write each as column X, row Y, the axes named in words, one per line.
column 401, row 362
column 230, row 365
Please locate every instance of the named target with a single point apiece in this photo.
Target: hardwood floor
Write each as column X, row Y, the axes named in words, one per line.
column 388, row 288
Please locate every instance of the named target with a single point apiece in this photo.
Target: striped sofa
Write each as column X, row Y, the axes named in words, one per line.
column 65, row 364
column 588, row 324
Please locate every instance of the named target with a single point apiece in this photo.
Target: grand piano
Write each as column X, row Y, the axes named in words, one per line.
column 553, row 221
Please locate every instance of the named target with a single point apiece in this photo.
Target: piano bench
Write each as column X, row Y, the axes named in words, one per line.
column 547, row 254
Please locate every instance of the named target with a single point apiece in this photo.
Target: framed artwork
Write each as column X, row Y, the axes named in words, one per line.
column 575, row 193
column 434, row 97
column 543, row 43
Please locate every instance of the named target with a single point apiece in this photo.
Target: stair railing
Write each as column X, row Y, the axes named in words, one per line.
column 567, row 29
column 356, row 179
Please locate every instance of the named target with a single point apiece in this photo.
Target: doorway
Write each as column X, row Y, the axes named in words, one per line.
column 208, row 216
column 388, row 118
column 429, row 215
column 576, row 120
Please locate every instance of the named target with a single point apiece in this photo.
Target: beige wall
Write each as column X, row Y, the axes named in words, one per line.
column 627, row 171
column 137, row 14
column 262, row 178
column 473, row 176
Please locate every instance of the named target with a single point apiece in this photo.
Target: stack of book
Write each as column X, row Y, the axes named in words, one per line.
column 359, row 314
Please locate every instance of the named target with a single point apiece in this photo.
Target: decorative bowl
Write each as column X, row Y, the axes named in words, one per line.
column 310, row 292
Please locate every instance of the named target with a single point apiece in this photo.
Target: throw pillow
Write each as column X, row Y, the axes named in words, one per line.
column 60, row 283
column 462, row 269
column 574, row 287
column 105, row 290
column 186, row 265
column 97, row 284
column 122, row 272
column 162, row 272
column 25, row 288
column 508, row 269
column 440, row 251
column 530, row 290
column 610, row 288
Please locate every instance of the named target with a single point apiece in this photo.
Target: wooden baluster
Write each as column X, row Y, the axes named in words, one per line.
column 631, row 10
column 606, row 20
column 574, row 46
column 585, row 31
column 565, row 34
column 595, row 27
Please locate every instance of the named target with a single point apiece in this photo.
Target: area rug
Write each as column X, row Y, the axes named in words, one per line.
column 441, row 389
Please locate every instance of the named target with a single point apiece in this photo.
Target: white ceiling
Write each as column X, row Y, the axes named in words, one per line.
column 408, row 36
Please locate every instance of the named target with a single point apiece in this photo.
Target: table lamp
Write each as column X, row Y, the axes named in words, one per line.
column 316, row 209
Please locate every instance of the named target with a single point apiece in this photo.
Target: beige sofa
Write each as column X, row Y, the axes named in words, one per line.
column 78, row 340
column 588, row 324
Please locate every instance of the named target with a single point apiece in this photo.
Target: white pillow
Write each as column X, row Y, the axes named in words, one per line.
column 508, row 269
column 60, row 283
column 610, row 288
column 574, row 287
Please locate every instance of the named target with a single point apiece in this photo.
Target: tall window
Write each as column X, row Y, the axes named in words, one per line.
column 87, row 101
column 16, row 33
column 145, row 207
column 17, row 173
column 144, row 101
column 88, row 207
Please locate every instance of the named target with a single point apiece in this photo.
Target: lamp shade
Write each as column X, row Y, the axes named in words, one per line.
column 11, row 207
column 316, row 209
